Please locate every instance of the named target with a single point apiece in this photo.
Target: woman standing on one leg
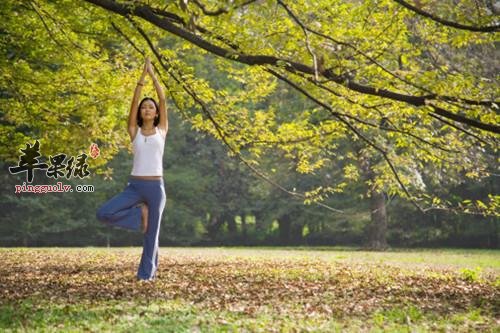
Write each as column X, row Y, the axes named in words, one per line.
column 140, row 206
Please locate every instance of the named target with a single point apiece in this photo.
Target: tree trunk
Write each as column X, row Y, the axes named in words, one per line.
column 378, row 222
column 259, row 221
column 493, row 235
column 231, row 223
column 296, row 233
column 244, row 226
column 214, row 225
column 284, row 223
column 377, row 229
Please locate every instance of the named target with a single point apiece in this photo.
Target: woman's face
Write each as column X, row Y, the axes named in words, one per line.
column 148, row 110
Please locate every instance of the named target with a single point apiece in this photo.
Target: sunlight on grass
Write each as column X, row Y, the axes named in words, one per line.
column 179, row 316
column 486, row 260
column 249, row 290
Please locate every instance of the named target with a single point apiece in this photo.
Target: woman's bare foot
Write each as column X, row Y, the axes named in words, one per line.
column 144, row 221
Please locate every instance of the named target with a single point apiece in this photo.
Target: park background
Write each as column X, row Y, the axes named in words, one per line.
column 213, row 200
column 392, row 148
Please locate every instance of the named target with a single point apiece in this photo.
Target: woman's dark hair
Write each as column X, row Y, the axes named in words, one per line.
column 139, row 117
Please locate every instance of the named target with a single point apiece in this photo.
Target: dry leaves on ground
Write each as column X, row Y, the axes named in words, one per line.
column 236, row 284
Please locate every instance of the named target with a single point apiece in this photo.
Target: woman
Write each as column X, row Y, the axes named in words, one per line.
column 140, row 206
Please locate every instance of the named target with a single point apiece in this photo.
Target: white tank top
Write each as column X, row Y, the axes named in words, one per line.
column 148, row 154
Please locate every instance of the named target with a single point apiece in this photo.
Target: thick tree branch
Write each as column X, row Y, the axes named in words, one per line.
column 434, row 115
column 431, row 95
column 456, row 25
column 384, row 128
column 315, row 82
column 391, row 129
column 147, row 13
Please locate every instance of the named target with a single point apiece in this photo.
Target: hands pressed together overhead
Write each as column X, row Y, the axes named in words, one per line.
column 163, row 119
column 148, row 69
column 149, row 66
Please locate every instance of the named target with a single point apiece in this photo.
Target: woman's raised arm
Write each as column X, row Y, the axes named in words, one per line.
column 132, row 116
column 163, row 121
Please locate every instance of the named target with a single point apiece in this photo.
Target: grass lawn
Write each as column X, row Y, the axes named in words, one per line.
column 232, row 289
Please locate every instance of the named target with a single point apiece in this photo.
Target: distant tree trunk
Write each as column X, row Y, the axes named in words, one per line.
column 296, row 233
column 493, row 236
column 259, row 221
column 244, row 226
column 312, row 227
column 214, row 225
column 25, row 241
column 377, row 229
column 378, row 222
column 284, row 223
column 231, row 223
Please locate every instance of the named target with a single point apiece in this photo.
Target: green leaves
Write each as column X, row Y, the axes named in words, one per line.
column 62, row 81
column 72, row 68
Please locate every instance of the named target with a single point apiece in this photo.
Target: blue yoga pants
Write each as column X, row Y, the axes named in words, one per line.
column 123, row 211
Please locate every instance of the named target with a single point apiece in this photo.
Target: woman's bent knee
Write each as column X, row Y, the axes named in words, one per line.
column 102, row 215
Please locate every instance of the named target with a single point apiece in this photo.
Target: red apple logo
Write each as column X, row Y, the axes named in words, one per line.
column 94, row 150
